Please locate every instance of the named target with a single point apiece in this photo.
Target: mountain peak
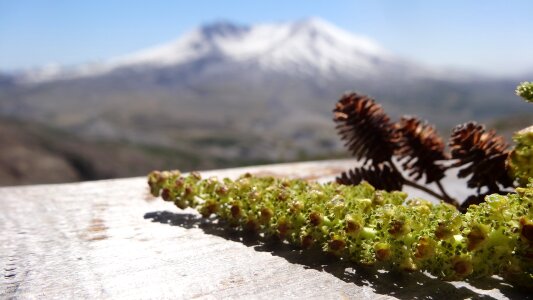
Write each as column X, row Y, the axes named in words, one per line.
column 313, row 22
column 306, row 46
column 223, row 28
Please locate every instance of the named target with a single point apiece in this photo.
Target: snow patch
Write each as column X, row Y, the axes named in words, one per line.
column 310, row 47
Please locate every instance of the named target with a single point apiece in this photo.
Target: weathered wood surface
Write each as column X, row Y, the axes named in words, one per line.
column 110, row 239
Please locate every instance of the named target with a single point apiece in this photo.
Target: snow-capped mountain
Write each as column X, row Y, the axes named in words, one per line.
column 262, row 87
column 308, row 47
column 309, row 44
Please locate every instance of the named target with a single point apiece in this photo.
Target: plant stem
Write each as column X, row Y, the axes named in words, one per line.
column 444, row 197
column 431, row 192
column 447, row 197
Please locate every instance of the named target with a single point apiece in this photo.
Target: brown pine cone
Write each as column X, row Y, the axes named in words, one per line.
column 382, row 177
column 420, row 148
column 483, row 154
column 365, row 127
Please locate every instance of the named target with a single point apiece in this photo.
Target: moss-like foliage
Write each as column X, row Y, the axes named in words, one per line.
column 368, row 226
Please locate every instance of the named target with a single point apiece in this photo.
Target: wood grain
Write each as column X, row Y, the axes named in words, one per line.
column 110, row 239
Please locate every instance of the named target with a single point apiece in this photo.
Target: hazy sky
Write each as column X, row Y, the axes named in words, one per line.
column 492, row 36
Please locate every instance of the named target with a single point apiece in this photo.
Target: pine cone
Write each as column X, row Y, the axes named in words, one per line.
column 365, row 127
column 484, row 153
column 420, row 147
column 382, row 177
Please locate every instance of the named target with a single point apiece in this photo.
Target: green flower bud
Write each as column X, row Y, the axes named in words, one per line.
column 315, row 218
column 154, row 190
column 526, row 230
column 295, row 206
column 154, row 182
column 154, row 176
column 208, row 208
column 476, row 236
column 266, row 214
column 462, row 267
column 181, row 203
column 166, row 194
column 425, row 248
column 283, row 228
column 382, row 251
column 398, row 228
column 352, row 226
column 282, row 196
column 221, row 190
column 444, row 231
column 189, row 192
column 179, row 183
column 336, row 244
column 235, row 210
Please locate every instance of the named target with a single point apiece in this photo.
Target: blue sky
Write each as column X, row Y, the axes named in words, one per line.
column 491, row 36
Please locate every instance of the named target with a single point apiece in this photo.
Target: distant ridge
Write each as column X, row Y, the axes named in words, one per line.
column 307, row 47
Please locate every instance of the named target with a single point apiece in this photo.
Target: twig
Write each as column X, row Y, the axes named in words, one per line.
column 443, row 191
column 444, row 197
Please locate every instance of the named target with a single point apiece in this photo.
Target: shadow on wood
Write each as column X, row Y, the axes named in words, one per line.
column 402, row 285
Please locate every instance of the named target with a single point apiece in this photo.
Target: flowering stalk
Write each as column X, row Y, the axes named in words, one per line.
column 367, row 226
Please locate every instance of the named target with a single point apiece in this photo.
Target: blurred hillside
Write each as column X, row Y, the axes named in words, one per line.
column 33, row 153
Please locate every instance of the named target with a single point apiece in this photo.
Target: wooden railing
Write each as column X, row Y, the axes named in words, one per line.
column 110, row 239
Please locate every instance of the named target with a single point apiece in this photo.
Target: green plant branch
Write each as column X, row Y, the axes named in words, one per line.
column 367, row 226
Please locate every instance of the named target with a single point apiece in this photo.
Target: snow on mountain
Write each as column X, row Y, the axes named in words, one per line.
column 311, row 46
column 312, row 42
